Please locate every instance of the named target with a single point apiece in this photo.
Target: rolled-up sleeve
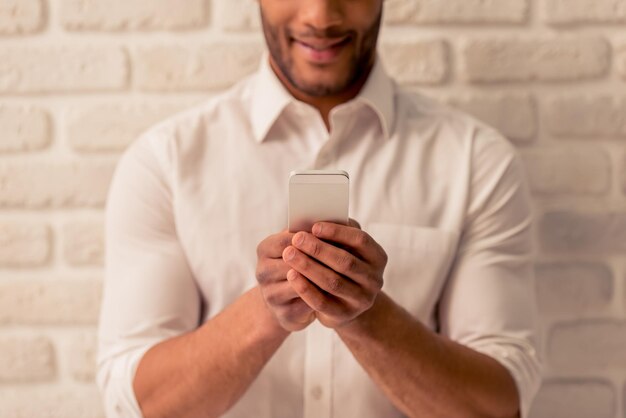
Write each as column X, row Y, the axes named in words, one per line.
column 149, row 291
column 488, row 302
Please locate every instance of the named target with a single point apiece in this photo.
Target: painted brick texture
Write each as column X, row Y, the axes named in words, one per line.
column 543, row 59
column 108, row 15
column 584, row 11
column 62, row 68
column 20, row 16
column 80, row 80
column 457, row 11
column 24, row 129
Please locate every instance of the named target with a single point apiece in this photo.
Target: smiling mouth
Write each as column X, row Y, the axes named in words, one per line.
column 323, row 44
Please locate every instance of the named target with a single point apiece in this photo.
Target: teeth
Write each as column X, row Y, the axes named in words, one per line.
column 312, row 47
column 322, row 49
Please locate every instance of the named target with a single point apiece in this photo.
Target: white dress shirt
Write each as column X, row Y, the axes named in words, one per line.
column 193, row 196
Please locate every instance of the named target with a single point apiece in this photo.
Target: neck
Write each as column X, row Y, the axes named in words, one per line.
column 324, row 104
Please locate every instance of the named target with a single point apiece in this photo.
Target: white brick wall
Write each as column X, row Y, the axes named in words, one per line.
column 20, row 16
column 80, row 79
column 56, row 68
column 104, row 15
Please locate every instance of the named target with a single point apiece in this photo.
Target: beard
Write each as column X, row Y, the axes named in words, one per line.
column 362, row 56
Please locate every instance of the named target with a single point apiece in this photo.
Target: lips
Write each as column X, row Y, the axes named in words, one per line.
column 322, row 44
column 321, row 50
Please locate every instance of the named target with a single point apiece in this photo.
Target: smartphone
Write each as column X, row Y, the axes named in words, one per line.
column 317, row 195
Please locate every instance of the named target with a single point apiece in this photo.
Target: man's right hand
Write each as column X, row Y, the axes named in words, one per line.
column 271, row 273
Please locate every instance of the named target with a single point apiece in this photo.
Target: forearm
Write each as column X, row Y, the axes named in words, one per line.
column 203, row 373
column 423, row 373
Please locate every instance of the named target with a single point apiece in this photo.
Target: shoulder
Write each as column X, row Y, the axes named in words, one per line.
column 186, row 128
column 454, row 128
column 210, row 111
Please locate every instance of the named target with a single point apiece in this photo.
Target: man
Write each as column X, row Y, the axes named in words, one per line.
column 211, row 308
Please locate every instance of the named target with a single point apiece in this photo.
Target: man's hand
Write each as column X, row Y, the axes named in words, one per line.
column 271, row 273
column 337, row 270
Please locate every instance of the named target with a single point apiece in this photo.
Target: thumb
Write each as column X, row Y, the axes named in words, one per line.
column 353, row 223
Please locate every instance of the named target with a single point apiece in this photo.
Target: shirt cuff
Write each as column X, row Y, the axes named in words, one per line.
column 115, row 380
column 521, row 360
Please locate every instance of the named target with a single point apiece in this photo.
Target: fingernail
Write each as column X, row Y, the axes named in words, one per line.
column 317, row 229
column 290, row 252
column 291, row 275
column 298, row 239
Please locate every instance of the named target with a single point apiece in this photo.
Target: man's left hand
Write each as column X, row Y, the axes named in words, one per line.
column 337, row 270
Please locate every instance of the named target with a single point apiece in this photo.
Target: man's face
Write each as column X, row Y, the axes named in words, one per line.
column 322, row 47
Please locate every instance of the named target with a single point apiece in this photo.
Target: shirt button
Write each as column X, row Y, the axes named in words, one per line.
column 317, row 392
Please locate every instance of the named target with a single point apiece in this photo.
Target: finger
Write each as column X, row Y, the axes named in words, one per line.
column 312, row 295
column 360, row 242
column 279, row 294
column 324, row 277
column 296, row 311
column 273, row 246
column 353, row 223
column 337, row 259
column 271, row 270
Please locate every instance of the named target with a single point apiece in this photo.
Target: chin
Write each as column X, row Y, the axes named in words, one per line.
column 322, row 80
column 317, row 88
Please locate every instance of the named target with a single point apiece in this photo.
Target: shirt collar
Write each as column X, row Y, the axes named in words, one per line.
column 378, row 93
column 270, row 97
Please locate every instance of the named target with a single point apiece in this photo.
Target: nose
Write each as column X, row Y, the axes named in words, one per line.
column 321, row 14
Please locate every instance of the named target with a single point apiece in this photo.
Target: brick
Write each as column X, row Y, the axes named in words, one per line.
column 514, row 115
column 50, row 302
column 20, row 16
column 555, row 170
column 107, row 15
column 83, row 243
column 57, row 184
column 24, row 244
column 416, row 61
column 24, row 129
column 575, row 289
column 26, row 359
column 592, row 116
column 237, row 15
column 80, row 356
column 544, row 59
column 111, row 127
column 583, row 232
column 54, row 68
column 182, row 67
column 455, row 11
column 582, row 398
column 584, row 11
column 589, row 346
column 77, row 401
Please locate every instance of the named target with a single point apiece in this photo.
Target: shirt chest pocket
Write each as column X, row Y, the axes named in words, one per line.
column 419, row 259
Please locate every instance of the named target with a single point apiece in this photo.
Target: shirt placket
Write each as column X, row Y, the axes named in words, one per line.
column 318, row 395
column 318, row 374
column 325, row 155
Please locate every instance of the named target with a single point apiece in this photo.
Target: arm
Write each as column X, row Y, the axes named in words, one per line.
column 154, row 358
column 204, row 372
column 484, row 364
column 422, row 373
column 426, row 374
